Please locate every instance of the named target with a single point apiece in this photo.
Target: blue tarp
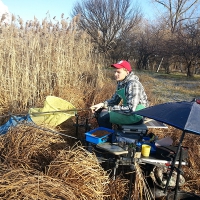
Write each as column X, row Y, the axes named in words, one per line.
column 13, row 121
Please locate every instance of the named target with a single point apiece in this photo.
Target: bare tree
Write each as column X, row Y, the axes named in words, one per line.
column 178, row 11
column 106, row 21
column 149, row 45
column 187, row 46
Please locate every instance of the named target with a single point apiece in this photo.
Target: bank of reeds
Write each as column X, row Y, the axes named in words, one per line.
column 30, row 148
column 36, row 164
column 40, row 59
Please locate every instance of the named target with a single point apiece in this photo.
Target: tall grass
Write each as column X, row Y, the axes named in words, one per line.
column 37, row 60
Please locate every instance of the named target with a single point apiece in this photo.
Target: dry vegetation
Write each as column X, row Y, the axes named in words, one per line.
column 37, row 60
column 49, row 59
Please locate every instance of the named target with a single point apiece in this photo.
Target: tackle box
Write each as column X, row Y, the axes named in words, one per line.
column 90, row 136
column 141, row 128
column 134, row 131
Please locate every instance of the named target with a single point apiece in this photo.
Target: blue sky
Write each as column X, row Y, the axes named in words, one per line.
column 27, row 9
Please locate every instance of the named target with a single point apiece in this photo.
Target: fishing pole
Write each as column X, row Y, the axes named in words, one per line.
column 58, row 111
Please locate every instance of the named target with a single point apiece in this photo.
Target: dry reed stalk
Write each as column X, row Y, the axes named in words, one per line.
column 1, row 146
column 142, row 189
column 80, row 170
column 29, row 184
column 191, row 175
column 192, row 186
column 4, row 109
column 3, row 169
column 29, row 147
column 117, row 189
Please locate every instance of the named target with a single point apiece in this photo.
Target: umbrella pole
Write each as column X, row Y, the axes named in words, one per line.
column 178, row 173
column 174, row 161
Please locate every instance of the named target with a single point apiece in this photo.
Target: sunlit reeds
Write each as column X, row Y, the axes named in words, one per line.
column 46, row 59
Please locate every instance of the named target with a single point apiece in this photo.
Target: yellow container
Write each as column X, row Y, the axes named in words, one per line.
column 52, row 119
column 146, row 150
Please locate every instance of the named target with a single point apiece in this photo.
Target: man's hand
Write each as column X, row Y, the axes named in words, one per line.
column 97, row 107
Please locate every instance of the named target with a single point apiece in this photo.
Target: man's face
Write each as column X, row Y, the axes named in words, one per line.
column 120, row 74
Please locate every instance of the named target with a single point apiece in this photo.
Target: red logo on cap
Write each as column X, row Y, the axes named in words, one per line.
column 198, row 101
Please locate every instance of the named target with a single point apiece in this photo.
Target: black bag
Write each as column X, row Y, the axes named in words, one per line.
column 168, row 153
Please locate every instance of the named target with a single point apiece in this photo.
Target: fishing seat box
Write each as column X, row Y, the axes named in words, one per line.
column 136, row 132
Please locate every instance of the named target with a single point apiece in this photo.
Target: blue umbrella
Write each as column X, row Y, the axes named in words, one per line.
column 182, row 115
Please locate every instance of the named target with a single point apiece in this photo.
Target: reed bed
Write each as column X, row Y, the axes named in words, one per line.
column 117, row 188
column 29, row 147
column 30, row 184
column 141, row 187
column 82, row 171
column 192, row 171
column 46, row 59
column 36, row 164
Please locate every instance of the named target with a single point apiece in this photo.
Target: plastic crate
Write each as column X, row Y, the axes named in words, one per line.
column 97, row 140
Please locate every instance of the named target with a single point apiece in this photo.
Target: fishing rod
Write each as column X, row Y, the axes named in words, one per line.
column 59, row 111
column 45, row 113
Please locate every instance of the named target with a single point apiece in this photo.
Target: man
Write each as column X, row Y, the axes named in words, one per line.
column 129, row 97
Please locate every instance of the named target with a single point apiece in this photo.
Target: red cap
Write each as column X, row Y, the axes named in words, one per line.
column 122, row 64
